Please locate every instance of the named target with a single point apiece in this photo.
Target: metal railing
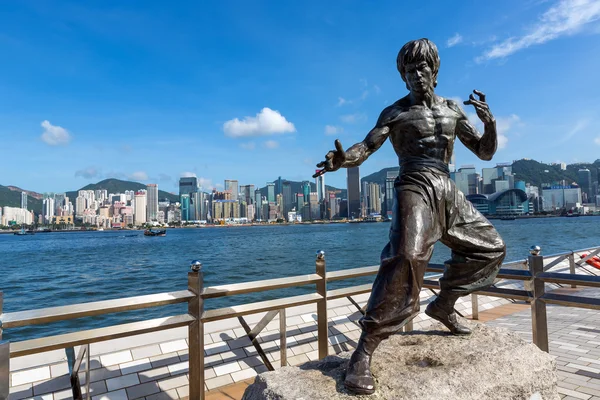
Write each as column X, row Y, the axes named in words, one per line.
column 535, row 277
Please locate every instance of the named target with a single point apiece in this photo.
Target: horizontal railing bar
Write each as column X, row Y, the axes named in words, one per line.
column 557, row 261
column 572, row 301
column 514, row 294
column 33, row 346
column 566, row 279
column 54, row 314
column 349, row 291
column 258, row 286
column 261, row 306
column 436, row 268
column 511, row 263
column 587, row 249
column 351, row 273
column 562, row 254
column 514, row 274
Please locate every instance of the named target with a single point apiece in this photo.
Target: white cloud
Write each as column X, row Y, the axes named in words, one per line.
column 248, row 146
column 568, row 17
column 579, row 126
column 266, row 122
column 139, row 176
column 353, row 118
column 54, row 135
column 377, row 89
column 88, row 173
column 271, row 144
column 205, row 183
column 342, row 101
column 188, row 174
column 454, row 40
column 333, row 130
column 597, row 140
column 364, row 94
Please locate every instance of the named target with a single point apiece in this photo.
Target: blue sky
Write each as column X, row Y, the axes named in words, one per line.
column 151, row 90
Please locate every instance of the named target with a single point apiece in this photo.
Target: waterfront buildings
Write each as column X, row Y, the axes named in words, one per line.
column 353, row 185
column 320, row 183
column 140, row 205
column 231, row 186
column 271, row 192
column 557, row 197
column 585, row 183
column 24, row 200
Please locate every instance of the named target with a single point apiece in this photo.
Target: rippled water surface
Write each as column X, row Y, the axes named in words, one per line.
column 53, row 269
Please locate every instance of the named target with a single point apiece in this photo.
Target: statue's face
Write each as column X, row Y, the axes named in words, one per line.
column 419, row 77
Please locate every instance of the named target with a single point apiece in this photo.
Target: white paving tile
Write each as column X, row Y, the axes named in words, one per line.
column 116, row 358
column 176, row 345
column 225, row 369
column 243, row 374
column 122, row 382
column 117, row 395
column 179, row 367
column 31, row 375
column 135, row 366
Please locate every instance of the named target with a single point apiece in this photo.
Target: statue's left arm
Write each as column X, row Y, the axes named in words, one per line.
column 484, row 146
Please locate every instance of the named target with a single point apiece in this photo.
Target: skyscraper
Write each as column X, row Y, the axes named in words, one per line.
column 188, row 184
column 287, row 199
column 306, row 190
column 271, row 192
column 258, row 204
column 140, row 208
column 24, row 200
column 320, row 182
column 152, row 202
column 247, row 192
column 353, row 192
column 278, row 186
column 584, row 179
column 231, row 185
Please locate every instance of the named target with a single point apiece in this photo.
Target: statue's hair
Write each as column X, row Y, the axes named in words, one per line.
column 416, row 51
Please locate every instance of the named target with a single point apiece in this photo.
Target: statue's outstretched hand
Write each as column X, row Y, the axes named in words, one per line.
column 481, row 107
column 333, row 160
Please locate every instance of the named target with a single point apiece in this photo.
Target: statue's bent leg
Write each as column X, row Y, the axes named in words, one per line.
column 395, row 296
column 477, row 251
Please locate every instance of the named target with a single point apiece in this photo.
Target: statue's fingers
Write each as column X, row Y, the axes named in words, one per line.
column 467, row 102
column 480, row 94
column 338, row 146
column 329, row 165
column 318, row 173
column 321, row 164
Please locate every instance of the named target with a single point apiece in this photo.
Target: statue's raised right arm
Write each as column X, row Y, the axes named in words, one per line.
column 484, row 146
column 355, row 155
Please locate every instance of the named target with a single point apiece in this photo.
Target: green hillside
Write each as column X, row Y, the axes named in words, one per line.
column 379, row 176
column 119, row 186
column 536, row 173
column 9, row 198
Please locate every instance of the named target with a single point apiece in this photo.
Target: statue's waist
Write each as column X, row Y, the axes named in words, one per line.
column 419, row 164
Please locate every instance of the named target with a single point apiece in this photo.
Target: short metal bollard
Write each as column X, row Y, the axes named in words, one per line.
column 322, row 324
column 539, row 319
column 196, row 332
column 572, row 266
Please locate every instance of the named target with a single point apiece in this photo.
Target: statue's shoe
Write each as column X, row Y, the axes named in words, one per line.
column 358, row 375
column 448, row 319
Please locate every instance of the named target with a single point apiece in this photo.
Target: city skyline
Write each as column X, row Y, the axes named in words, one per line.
column 148, row 93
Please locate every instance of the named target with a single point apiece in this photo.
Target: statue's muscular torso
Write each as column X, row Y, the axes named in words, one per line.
column 419, row 131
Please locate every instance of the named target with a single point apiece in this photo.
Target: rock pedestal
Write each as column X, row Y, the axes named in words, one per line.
column 489, row 364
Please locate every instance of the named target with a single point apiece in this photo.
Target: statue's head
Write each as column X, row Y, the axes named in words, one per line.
column 418, row 63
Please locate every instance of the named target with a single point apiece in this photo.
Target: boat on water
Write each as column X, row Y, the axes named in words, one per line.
column 23, row 232
column 507, row 218
column 153, row 232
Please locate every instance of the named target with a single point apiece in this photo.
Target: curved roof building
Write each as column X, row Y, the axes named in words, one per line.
column 505, row 202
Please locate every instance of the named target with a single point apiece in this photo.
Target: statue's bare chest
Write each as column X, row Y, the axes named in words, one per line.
column 419, row 122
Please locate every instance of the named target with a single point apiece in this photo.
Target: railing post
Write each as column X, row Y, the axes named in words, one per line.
column 4, row 359
column 474, row 306
column 283, row 337
column 572, row 266
column 196, row 332
column 539, row 320
column 322, row 324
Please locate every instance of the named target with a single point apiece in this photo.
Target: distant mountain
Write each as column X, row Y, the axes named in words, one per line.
column 10, row 196
column 536, row 173
column 379, row 176
column 119, row 186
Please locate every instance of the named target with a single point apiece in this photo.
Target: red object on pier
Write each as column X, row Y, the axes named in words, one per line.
column 594, row 261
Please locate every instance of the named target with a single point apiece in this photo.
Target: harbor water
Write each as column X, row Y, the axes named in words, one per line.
column 54, row 269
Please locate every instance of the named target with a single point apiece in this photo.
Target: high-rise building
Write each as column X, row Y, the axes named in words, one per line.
column 320, row 182
column 185, row 207
column 288, row 201
column 353, row 178
column 231, row 185
column 271, row 192
column 300, row 202
column 247, row 192
column 258, row 204
column 584, row 179
column 278, row 186
column 306, row 190
column 374, row 205
column 152, row 202
column 24, row 200
column 188, row 184
column 139, row 216
column 315, row 209
column 49, row 209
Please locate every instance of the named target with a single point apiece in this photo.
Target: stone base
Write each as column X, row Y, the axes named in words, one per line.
column 490, row 364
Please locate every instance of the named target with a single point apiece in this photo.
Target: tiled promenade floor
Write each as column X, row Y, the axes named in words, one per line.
column 154, row 366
